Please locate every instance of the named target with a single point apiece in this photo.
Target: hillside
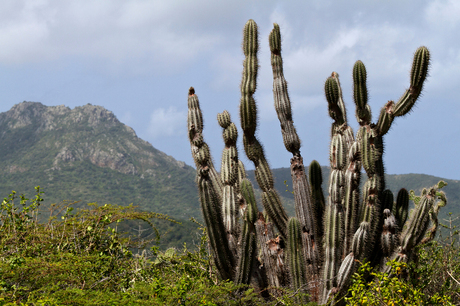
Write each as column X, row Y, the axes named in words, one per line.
column 86, row 154
column 394, row 182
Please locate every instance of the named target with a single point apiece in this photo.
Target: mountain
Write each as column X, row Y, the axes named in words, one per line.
column 86, row 154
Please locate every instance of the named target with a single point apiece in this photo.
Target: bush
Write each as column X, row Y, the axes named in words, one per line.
column 432, row 279
column 81, row 258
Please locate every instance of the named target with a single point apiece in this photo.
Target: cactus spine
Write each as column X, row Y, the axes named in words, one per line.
column 321, row 247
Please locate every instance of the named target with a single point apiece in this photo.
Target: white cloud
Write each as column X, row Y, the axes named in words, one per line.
column 167, row 122
column 443, row 13
column 139, row 32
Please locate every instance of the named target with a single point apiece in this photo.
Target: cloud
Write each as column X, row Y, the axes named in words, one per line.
column 116, row 32
column 443, row 13
column 167, row 122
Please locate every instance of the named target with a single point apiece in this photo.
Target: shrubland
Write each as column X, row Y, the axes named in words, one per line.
column 81, row 257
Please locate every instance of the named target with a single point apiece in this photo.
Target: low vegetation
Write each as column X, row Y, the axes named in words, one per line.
column 82, row 257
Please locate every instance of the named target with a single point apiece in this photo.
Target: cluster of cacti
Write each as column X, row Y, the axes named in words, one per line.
column 317, row 251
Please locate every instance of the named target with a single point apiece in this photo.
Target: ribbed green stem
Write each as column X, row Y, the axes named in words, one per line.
column 229, row 176
column 295, row 259
column 389, row 238
column 210, row 207
column 418, row 75
column 363, row 112
column 210, row 191
column 281, row 95
column 401, row 207
column 248, row 115
column 418, row 222
column 248, row 243
column 200, row 150
column 351, row 199
column 316, row 180
column 305, row 211
column 332, row 248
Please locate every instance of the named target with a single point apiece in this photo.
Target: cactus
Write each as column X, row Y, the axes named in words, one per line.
column 305, row 211
column 296, row 261
column 317, row 251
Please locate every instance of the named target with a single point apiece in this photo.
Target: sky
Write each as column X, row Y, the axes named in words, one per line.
column 138, row 59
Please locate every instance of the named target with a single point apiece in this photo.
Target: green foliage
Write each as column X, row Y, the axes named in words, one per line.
column 81, row 257
column 431, row 279
column 370, row 287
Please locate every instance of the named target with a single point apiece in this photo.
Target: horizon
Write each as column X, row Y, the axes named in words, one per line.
column 138, row 59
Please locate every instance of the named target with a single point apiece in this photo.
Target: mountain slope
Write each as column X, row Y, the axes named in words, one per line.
column 394, row 182
column 86, row 154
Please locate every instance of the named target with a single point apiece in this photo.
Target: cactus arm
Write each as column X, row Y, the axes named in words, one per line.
column 296, row 261
column 332, row 248
column 248, row 243
column 229, row 176
column 210, row 206
column 316, row 180
column 351, row 200
column 281, row 95
column 401, row 207
column 431, row 232
column 305, row 210
column 210, row 200
column 363, row 111
column 248, row 115
column 200, row 150
column 338, row 212
column 389, row 236
column 419, row 72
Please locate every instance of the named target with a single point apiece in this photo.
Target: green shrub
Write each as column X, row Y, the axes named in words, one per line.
column 81, row 258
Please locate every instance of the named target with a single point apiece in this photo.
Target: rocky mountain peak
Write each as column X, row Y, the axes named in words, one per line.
column 85, row 133
column 45, row 118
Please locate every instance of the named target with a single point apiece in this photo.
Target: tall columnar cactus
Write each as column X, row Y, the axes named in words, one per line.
column 305, row 211
column 320, row 248
column 210, row 191
column 248, row 114
column 229, row 176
